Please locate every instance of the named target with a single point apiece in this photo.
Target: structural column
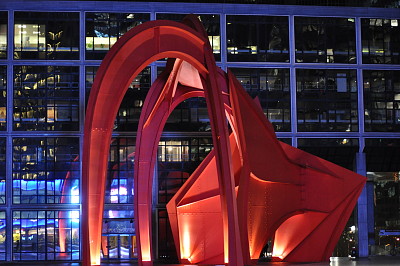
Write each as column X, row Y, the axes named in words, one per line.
column 362, row 206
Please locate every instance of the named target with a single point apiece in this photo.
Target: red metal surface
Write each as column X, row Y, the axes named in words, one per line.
column 249, row 189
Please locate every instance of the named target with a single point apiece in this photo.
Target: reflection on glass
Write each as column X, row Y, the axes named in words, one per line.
column 46, row 35
column 382, row 100
column 325, row 40
column 326, row 100
column 211, row 25
column 46, row 98
column 3, row 229
column 3, row 97
column 129, row 112
column 272, row 88
column 45, row 170
column 257, row 38
column 45, row 235
column 380, row 41
column 3, row 34
column 2, row 170
column 119, row 187
column 104, row 29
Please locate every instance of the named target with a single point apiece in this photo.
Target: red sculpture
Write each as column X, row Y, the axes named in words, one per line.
column 249, row 189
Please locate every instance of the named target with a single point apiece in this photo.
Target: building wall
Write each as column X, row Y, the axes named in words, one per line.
column 326, row 77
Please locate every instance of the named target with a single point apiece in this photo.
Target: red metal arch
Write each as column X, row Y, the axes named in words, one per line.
column 134, row 51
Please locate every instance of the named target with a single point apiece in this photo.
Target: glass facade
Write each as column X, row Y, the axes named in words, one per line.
column 326, row 100
column 46, row 35
column 382, row 100
column 325, row 40
column 380, row 41
column 257, row 38
column 46, row 98
column 326, row 77
column 46, row 170
column 104, row 29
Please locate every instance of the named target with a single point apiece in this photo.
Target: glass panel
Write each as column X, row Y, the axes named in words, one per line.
column 104, row 29
column 382, row 100
column 341, row 151
column 272, row 87
column 380, row 41
column 383, row 190
column 325, row 40
column 257, row 38
column 166, row 247
column 45, row 235
column 46, row 170
column 119, row 187
column 211, row 24
column 46, row 35
column 3, row 229
column 3, row 34
column 2, row 171
column 326, row 100
column 3, row 97
column 129, row 112
column 46, row 98
column 177, row 159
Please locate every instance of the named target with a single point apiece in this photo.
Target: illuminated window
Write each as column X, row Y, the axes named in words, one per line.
column 325, row 40
column 380, row 41
column 119, row 187
column 46, row 235
column 104, row 29
column 119, row 237
column 46, row 35
column 257, row 38
column 326, row 100
column 211, row 25
column 46, row 98
column 382, row 100
column 3, row 35
column 46, row 170
column 272, row 87
column 129, row 112
column 3, row 228
column 3, row 97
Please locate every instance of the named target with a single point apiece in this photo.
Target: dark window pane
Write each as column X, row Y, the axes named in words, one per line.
column 104, row 29
column 382, row 100
column 3, row 97
column 46, row 35
column 129, row 111
column 325, row 40
column 3, row 35
column 45, row 170
column 326, row 100
column 46, row 235
column 338, row 151
column 272, row 87
column 257, row 38
column 46, row 98
column 380, row 41
column 211, row 24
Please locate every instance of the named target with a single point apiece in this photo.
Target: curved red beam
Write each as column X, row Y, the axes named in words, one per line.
column 135, row 50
